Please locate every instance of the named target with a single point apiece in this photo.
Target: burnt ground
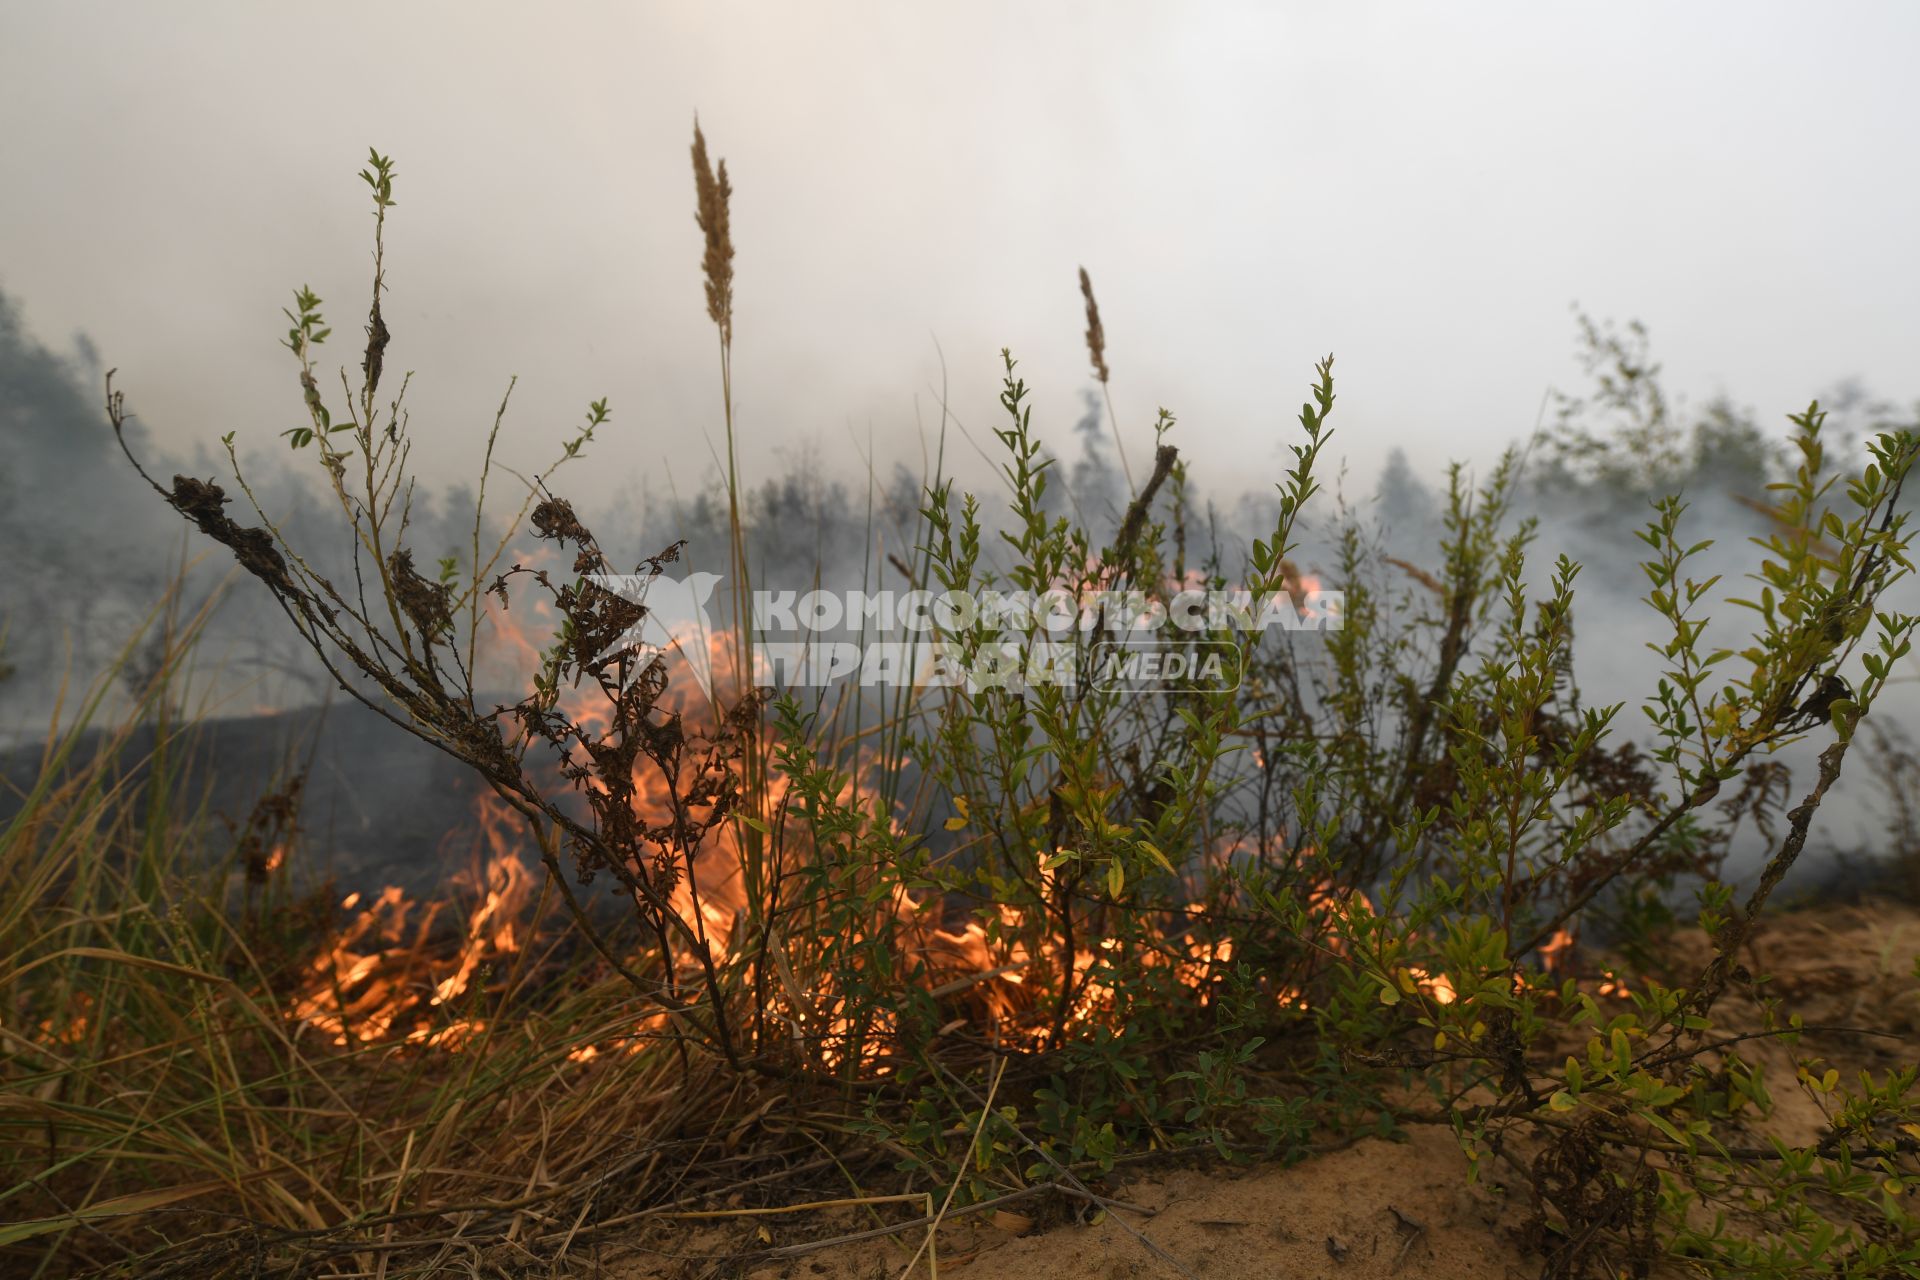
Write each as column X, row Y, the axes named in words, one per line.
column 378, row 806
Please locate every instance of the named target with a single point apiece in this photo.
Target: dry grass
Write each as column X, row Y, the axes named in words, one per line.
column 164, row 1111
column 714, row 194
column 1097, row 352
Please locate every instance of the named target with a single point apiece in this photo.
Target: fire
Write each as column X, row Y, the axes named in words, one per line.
column 73, row 1028
column 394, row 973
column 387, row 973
column 1556, row 957
column 1437, row 986
column 1556, row 951
column 391, row 975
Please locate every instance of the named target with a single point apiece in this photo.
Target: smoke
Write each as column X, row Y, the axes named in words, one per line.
column 88, row 550
column 1588, row 487
column 93, row 552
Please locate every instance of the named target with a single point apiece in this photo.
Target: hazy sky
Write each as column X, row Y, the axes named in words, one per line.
column 1421, row 189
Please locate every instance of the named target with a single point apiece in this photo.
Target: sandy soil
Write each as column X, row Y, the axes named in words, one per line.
column 1375, row 1209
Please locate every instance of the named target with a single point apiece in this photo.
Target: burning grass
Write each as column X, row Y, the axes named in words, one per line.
column 961, row 949
column 277, row 1069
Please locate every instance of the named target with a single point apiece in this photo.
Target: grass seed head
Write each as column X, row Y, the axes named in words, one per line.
column 1096, row 334
column 714, row 192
